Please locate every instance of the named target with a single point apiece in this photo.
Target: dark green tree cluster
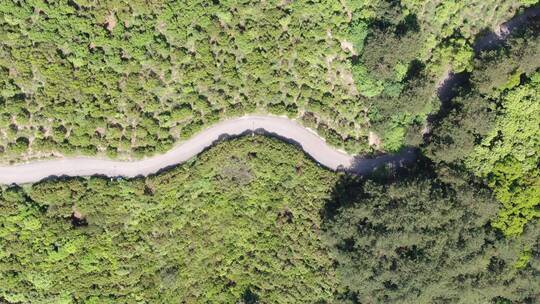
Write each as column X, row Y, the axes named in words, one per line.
column 492, row 130
column 132, row 79
column 462, row 225
column 390, row 47
column 388, row 70
column 403, row 48
column 255, row 220
column 238, row 224
column 427, row 238
column 242, row 224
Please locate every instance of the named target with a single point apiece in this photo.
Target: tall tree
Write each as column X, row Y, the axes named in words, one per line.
column 427, row 239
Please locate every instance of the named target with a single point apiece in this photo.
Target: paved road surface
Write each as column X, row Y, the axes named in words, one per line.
column 284, row 128
column 281, row 127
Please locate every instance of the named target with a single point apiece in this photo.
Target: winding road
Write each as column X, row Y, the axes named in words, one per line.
column 280, row 127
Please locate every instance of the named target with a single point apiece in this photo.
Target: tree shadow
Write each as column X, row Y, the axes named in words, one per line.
column 345, row 191
column 249, row 297
column 451, row 87
column 397, row 162
column 407, row 164
column 489, row 40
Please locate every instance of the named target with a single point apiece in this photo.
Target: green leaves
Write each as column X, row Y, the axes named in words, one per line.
column 242, row 217
column 508, row 157
column 425, row 238
column 119, row 62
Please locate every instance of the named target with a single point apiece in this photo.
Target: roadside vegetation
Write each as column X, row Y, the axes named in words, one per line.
column 240, row 223
column 406, row 49
column 131, row 79
column 427, row 236
column 492, row 129
column 125, row 80
column 463, row 225
column 253, row 219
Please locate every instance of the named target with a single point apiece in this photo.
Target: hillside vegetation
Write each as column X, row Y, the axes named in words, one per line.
column 463, row 225
column 406, row 50
column 240, row 223
column 253, row 220
column 492, row 130
column 428, row 238
column 131, row 79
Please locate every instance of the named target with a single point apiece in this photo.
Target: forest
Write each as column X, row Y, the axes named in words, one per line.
column 254, row 219
column 125, row 80
column 239, row 223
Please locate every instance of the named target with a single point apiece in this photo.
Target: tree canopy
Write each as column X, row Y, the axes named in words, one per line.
column 427, row 238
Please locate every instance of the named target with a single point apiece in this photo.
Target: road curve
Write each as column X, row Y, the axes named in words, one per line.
column 281, row 127
column 284, row 128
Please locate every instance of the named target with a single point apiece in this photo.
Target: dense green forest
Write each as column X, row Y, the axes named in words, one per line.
column 428, row 238
column 408, row 50
column 462, row 226
column 254, row 219
column 492, row 129
column 239, row 223
column 126, row 79
column 132, row 78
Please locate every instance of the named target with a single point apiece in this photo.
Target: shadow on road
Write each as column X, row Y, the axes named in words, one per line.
column 366, row 166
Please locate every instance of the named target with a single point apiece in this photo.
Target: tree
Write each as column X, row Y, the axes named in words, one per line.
column 425, row 239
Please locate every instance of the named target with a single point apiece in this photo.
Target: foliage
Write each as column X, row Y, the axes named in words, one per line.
column 509, row 155
column 399, row 118
column 502, row 69
column 128, row 80
column 412, row 42
column 131, row 79
column 239, row 223
column 451, row 26
column 492, row 130
column 242, row 222
column 426, row 239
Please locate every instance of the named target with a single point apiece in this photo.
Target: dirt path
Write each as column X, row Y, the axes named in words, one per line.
column 488, row 41
column 494, row 39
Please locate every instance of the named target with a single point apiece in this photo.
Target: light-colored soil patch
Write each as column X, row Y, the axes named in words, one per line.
column 374, row 140
column 111, row 21
column 347, row 46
